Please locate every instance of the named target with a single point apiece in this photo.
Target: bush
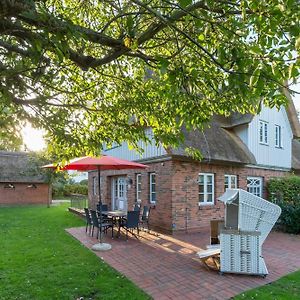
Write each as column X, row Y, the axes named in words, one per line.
column 65, row 190
column 285, row 192
column 75, row 188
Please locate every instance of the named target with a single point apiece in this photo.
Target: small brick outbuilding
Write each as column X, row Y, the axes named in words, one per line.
column 21, row 180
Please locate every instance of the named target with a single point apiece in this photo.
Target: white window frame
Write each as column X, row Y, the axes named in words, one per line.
column 94, row 185
column 205, row 193
column 278, row 136
column 253, row 188
column 151, row 185
column 138, row 181
column 263, row 132
column 230, row 181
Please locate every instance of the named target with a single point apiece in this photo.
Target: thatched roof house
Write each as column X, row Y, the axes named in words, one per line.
column 22, row 181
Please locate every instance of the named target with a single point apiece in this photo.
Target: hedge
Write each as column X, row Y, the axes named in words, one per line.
column 285, row 192
column 69, row 189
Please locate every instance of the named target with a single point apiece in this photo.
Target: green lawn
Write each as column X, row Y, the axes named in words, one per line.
column 39, row 260
column 287, row 287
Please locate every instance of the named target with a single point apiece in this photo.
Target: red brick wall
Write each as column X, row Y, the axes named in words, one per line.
column 186, row 211
column 22, row 194
column 161, row 213
column 177, row 189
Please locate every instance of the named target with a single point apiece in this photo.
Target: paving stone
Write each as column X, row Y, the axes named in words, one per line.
column 178, row 274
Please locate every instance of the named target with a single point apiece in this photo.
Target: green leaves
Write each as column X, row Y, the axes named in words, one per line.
column 102, row 72
column 255, row 76
column 184, row 3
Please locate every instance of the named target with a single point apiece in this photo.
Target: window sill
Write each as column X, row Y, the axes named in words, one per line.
column 263, row 144
column 277, row 147
column 206, row 204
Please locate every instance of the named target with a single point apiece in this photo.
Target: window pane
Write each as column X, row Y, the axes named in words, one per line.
column 209, row 188
column 266, row 133
column 201, row 179
column 201, row 197
column 153, row 197
column 233, row 182
column 209, row 198
column 153, row 188
column 201, row 188
column 209, row 179
column 226, row 179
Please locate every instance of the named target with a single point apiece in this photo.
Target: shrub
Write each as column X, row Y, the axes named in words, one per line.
column 285, row 192
column 75, row 188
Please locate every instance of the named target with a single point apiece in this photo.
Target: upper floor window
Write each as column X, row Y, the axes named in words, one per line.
column 138, row 187
column 263, row 132
column 278, row 138
column 255, row 185
column 152, row 188
column 230, row 182
column 206, row 189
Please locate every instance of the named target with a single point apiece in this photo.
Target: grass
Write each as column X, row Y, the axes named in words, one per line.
column 287, row 287
column 39, row 260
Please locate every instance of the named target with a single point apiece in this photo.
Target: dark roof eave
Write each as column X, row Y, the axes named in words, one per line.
column 209, row 161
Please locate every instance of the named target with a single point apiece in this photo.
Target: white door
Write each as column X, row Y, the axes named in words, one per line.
column 119, row 197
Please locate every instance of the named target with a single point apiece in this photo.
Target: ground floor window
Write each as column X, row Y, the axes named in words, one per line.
column 152, row 188
column 255, row 185
column 230, row 182
column 206, row 189
column 138, row 187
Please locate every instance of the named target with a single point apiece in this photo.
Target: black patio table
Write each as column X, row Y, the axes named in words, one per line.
column 117, row 216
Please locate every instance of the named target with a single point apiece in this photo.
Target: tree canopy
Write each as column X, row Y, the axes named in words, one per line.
column 91, row 71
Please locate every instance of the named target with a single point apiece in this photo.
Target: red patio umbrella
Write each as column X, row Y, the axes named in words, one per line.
column 102, row 163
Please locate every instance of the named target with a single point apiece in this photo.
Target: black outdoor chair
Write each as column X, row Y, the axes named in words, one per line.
column 88, row 219
column 145, row 217
column 104, row 207
column 101, row 224
column 137, row 207
column 131, row 222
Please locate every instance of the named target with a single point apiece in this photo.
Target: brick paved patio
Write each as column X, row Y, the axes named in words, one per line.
column 166, row 267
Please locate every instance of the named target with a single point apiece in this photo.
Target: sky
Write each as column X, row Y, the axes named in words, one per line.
column 33, row 138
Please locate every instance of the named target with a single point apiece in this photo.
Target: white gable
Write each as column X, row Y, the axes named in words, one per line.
column 268, row 154
column 150, row 149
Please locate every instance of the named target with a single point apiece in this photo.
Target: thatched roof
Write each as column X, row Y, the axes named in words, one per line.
column 216, row 144
column 20, row 167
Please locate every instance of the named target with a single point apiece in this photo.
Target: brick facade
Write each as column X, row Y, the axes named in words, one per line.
column 23, row 194
column 177, row 206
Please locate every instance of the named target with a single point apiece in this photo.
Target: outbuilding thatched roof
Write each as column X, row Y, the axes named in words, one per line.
column 20, row 167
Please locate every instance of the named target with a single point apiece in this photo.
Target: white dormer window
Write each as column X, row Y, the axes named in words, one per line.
column 263, row 132
column 278, row 138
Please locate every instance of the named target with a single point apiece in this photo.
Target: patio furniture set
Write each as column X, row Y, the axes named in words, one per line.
column 102, row 219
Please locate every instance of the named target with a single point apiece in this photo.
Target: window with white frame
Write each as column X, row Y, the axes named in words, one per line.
column 263, row 132
column 206, row 188
column 138, row 180
column 255, row 185
column 152, row 188
column 230, row 182
column 278, row 138
column 94, row 185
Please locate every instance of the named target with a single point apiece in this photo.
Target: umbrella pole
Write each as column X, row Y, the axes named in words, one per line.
column 100, row 246
column 100, row 202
